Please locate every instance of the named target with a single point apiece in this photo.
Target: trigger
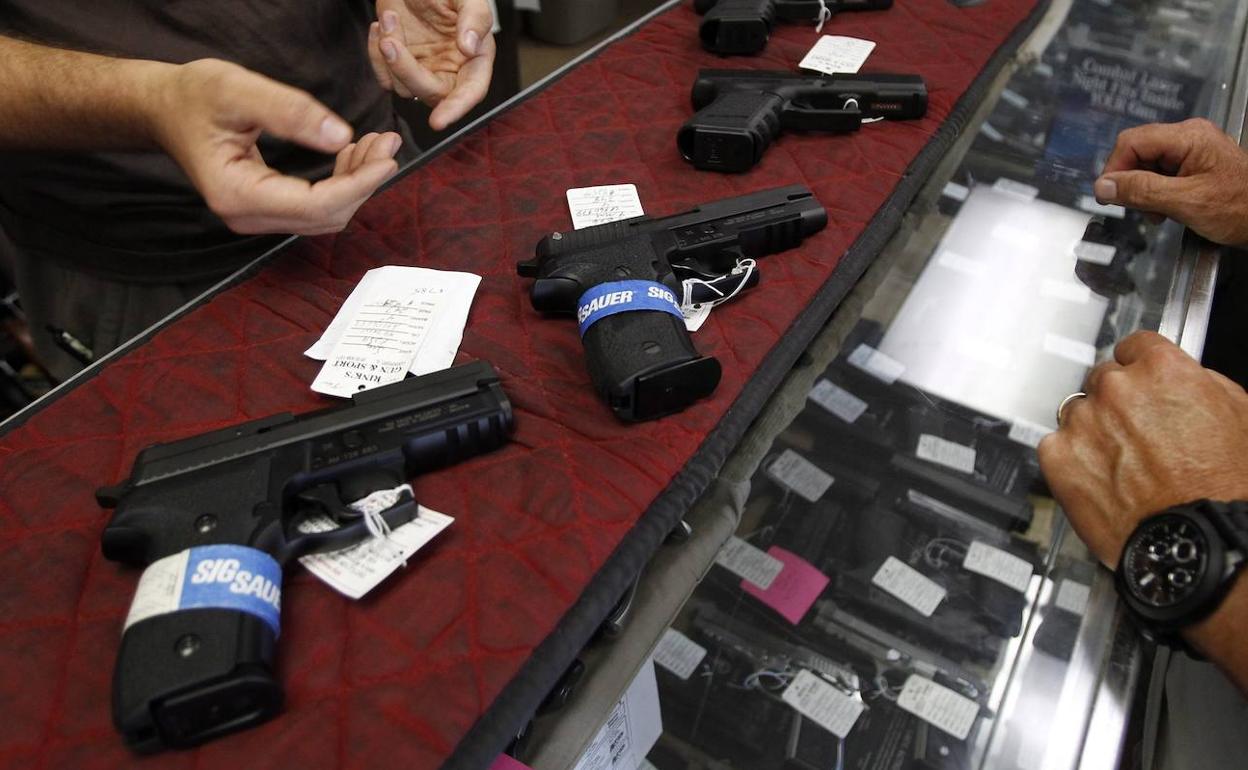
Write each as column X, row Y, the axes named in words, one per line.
column 324, row 498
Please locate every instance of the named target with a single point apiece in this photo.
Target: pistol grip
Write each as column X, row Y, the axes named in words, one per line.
column 732, row 133
column 645, row 364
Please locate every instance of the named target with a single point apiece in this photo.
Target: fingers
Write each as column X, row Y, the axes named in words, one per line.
column 1139, row 345
column 474, row 26
column 1157, row 145
column 287, row 113
column 1144, row 190
column 1095, row 380
column 375, row 58
column 410, row 77
column 1230, row 385
column 470, row 88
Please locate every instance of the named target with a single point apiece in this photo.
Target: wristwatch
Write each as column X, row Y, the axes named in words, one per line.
column 1177, row 565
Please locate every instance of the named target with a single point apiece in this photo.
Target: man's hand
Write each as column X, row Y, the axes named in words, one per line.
column 1189, row 171
column 438, row 51
column 1156, row 429
column 208, row 115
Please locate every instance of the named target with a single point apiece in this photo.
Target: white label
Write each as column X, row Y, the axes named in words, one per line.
column 678, row 653
column 1067, row 291
column 1028, row 433
column 598, row 205
column 1073, row 596
column 159, row 589
column 833, row 53
column 1093, row 206
column 961, row 264
column 837, row 400
column 630, row 731
column 822, row 703
column 1074, row 350
column 800, row 475
column 1002, row 566
column 1024, row 192
column 958, row 192
column 939, row 706
column 749, row 563
column 381, row 333
column 909, row 585
column 945, row 452
column 876, row 364
column 696, row 315
column 355, row 571
column 1043, row 69
column 1096, row 253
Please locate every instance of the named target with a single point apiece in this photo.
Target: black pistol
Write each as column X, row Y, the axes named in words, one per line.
column 744, row 26
column 622, row 280
column 740, row 112
column 215, row 517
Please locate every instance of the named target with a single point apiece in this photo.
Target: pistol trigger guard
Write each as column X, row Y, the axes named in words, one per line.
column 345, row 536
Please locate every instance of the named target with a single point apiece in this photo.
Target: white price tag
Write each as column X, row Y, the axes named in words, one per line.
column 990, row 131
column 631, row 730
column 598, row 205
column 1068, row 291
column 1096, row 253
column 944, row 452
column 678, row 653
column 1010, row 96
column 1002, row 566
column 876, row 364
column 749, row 563
column 939, row 706
column 355, row 571
column 1023, row 192
column 958, row 192
column 834, row 53
column 909, row 585
column 696, row 315
column 159, row 589
column 1090, row 205
column 837, row 400
column 1073, row 596
column 1074, row 350
column 1028, row 433
column 822, row 703
column 800, row 475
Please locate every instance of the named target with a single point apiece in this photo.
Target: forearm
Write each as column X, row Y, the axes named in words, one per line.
column 55, row 99
column 1223, row 636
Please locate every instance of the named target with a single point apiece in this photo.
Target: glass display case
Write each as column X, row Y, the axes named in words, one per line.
column 897, row 589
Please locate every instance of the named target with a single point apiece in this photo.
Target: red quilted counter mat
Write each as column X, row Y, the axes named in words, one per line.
column 398, row 679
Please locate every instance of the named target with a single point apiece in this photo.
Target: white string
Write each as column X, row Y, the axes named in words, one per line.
column 746, row 266
column 824, row 14
column 374, row 505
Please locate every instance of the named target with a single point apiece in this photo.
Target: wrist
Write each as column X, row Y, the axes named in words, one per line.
column 152, row 98
column 1219, row 637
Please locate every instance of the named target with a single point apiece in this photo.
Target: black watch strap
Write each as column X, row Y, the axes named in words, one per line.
column 1231, row 521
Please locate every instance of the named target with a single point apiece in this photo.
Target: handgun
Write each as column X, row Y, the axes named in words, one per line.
column 890, row 651
column 744, row 26
column 740, row 112
column 215, row 517
column 622, row 280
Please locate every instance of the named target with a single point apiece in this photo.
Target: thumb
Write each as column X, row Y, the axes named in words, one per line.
column 476, row 22
column 1143, row 190
column 289, row 113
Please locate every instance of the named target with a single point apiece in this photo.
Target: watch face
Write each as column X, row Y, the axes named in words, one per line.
column 1165, row 560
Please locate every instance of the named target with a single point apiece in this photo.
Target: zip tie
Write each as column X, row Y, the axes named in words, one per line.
column 824, row 14
column 746, row 266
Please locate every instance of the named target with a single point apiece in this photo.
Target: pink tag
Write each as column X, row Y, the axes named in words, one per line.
column 794, row 589
column 505, row 762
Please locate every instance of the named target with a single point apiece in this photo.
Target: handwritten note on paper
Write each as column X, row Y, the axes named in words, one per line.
column 376, row 336
column 598, row 205
column 378, row 345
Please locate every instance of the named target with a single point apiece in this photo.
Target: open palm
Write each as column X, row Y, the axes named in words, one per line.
column 438, row 51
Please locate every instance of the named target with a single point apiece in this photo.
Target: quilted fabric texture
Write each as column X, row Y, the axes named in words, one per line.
column 397, row 679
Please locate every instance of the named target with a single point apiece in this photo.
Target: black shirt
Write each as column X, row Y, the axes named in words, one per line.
column 135, row 215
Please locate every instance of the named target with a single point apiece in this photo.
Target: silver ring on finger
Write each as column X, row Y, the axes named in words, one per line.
column 1072, row 398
